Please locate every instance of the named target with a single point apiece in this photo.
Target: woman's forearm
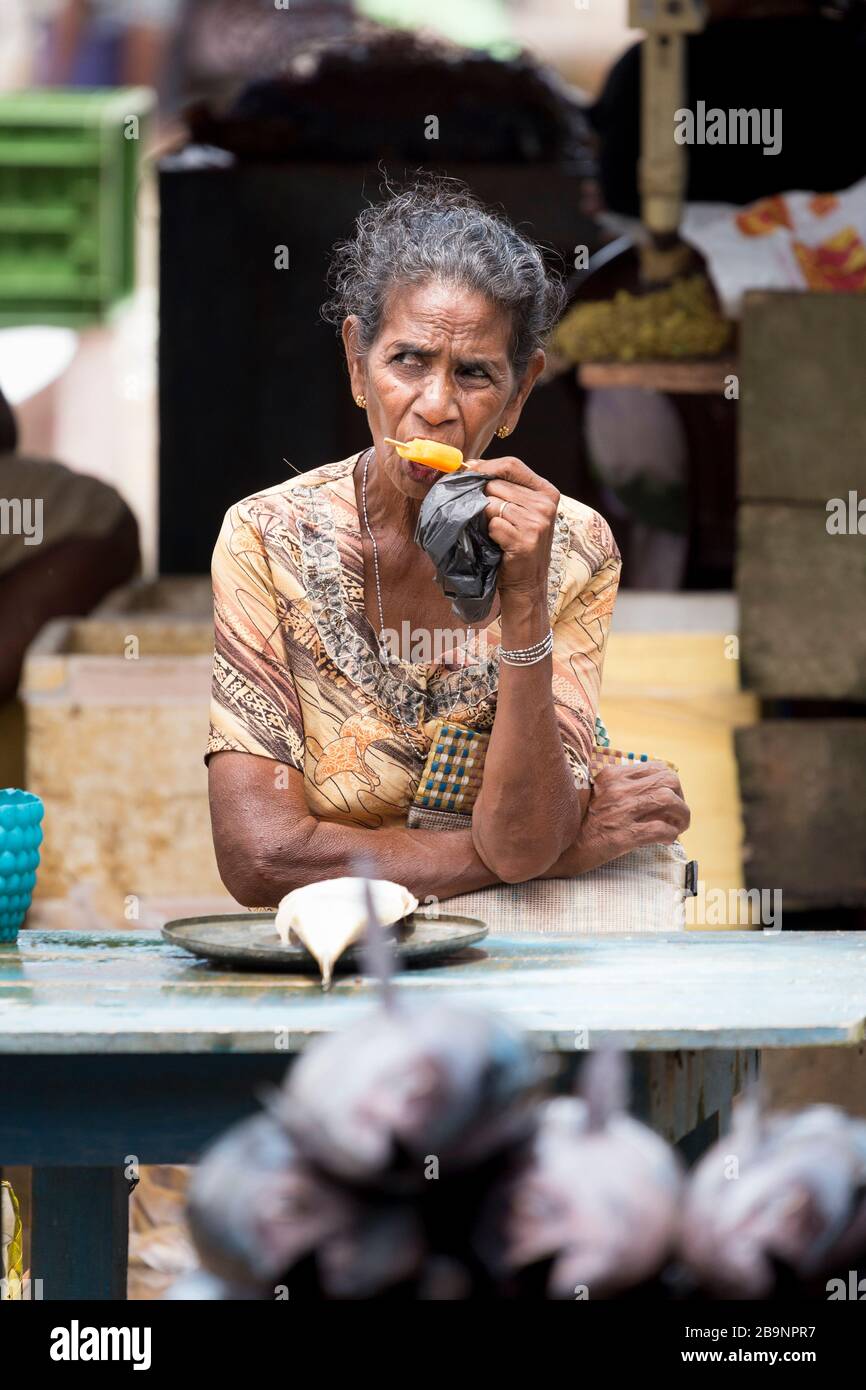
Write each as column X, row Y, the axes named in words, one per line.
column 431, row 863
column 267, row 841
column 528, row 810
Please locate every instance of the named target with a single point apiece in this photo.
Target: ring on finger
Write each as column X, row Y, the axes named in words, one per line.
column 502, row 507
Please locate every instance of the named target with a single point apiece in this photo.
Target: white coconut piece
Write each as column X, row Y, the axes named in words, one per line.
column 330, row 916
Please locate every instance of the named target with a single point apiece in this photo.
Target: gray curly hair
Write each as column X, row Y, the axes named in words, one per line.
column 436, row 229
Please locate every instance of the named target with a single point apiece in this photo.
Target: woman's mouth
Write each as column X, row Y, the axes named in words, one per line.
column 420, row 473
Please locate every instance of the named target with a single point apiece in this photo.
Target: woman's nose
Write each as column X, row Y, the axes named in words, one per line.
column 435, row 405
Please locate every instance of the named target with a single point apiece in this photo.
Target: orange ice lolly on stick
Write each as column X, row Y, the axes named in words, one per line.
column 442, row 456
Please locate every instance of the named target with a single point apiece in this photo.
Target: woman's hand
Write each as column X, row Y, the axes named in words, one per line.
column 525, row 530
column 635, row 805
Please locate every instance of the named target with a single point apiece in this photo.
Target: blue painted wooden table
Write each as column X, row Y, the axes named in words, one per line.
column 116, row 1047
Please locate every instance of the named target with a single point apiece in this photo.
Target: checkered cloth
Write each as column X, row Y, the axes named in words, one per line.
column 451, row 780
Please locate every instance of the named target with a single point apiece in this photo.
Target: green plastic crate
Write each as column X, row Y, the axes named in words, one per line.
column 68, row 186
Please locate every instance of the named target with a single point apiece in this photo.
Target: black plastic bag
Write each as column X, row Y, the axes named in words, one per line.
column 452, row 529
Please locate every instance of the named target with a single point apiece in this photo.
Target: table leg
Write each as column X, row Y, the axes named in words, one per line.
column 694, row 1145
column 685, row 1096
column 80, row 1233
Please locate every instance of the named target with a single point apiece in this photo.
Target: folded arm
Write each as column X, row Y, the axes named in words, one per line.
column 267, row 842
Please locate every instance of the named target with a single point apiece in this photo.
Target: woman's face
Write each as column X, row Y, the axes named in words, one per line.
column 439, row 369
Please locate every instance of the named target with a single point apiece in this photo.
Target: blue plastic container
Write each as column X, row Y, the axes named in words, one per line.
column 20, row 838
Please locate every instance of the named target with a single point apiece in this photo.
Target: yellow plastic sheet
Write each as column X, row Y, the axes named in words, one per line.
column 11, row 1244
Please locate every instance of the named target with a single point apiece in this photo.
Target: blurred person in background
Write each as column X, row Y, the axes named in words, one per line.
column 79, row 541
column 107, row 43
column 16, row 45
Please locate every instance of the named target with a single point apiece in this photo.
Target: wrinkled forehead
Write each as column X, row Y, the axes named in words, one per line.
column 445, row 316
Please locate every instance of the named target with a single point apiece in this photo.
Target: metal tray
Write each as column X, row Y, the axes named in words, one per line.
column 248, row 939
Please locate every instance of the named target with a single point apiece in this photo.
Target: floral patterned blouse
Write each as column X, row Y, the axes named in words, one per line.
column 297, row 673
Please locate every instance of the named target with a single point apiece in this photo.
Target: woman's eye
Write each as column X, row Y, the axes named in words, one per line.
column 410, row 359
column 476, row 373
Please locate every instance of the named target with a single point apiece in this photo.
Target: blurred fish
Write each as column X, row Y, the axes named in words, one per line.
column 371, row 1104
column 384, row 1248
column 256, row 1209
column 257, row 1212
column 783, row 1192
column 597, row 1197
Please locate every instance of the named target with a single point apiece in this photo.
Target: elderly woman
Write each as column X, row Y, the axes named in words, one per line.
column 327, row 747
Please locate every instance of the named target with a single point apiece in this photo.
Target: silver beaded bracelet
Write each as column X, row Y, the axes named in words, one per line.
column 528, row 656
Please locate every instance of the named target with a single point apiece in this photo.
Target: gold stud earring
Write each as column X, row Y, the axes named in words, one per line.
column 361, row 401
column 503, row 431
